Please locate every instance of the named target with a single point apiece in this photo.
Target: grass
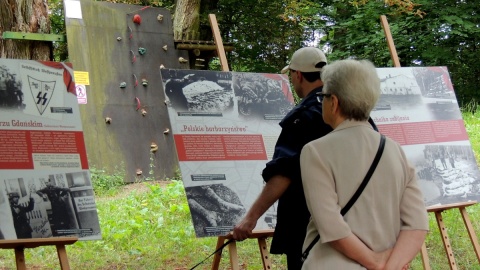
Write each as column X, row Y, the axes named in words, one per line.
column 147, row 226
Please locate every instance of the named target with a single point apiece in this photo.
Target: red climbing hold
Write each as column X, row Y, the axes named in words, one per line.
column 137, row 19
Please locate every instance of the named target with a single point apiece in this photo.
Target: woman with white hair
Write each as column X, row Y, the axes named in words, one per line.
column 387, row 224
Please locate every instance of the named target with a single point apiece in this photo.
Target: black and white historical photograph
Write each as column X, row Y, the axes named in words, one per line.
column 426, row 92
column 198, row 91
column 447, row 173
column 11, row 95
column 260, row 95
column 48, row 206
column 215, row 209
column 437, row 91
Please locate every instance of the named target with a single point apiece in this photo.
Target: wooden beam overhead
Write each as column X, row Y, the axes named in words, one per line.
column 33, row 36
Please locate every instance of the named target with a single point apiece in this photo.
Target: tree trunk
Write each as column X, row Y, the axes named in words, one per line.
column 30, row 16
column 186, row 22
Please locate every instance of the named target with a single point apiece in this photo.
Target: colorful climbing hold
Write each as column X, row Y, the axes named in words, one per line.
column 137, row 19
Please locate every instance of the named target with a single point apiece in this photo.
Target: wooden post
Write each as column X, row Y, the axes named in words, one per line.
column 218, row 42
column 391, row 46
column 20, row 245
column 437, row 210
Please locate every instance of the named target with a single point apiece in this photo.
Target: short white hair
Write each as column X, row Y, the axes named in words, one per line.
column 356, row 85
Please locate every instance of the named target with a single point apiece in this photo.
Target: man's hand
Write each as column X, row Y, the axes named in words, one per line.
column 272, row 191
column 243, row 229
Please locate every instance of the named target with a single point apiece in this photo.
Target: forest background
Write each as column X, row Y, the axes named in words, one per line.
column 265, row 33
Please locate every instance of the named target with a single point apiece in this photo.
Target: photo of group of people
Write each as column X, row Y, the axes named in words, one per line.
column 11, row 95
column 447, row 173
column 45, row 206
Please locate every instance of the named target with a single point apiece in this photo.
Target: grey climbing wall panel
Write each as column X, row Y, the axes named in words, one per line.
column 105, row 42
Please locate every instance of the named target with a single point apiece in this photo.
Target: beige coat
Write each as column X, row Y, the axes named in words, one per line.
column 332, row 169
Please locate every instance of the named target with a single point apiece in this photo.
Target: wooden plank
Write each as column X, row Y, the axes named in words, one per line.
column 436, row 208
column 471, row 232
column 262, row 244
column 218, row 255
column 256, row 234
column 62, row 257
column 425, row 260
column 446, row 241
column 33, row 36
column 20, row 259
column 232, row 248
column 218, row 42
column 201, row 47
column 37, row 242
column 391, row 45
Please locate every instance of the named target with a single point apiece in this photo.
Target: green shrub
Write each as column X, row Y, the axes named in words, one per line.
column 105, row 184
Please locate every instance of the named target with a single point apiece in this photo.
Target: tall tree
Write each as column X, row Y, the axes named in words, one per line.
column 28, row 16
column 186, row 22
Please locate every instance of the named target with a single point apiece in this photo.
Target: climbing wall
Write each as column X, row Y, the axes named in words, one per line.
column 125, row 119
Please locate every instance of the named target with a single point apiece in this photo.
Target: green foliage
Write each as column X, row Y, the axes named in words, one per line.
column 104, row 184
column 263, row 37
column 57, row 22
column 447, row 36
column 471, row 117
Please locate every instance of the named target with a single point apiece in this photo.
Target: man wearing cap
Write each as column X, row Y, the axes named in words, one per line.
column 301, row 125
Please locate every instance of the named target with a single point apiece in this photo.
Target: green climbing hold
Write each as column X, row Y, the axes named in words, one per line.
column 123, row 84
column 144, row 82
column 142, row 50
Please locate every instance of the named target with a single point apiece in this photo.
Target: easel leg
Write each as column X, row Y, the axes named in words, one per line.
column 446, row 241
column 218, row 255
column 232, row 248
column 20, row 259
column 62, row 257
column 471, row 232
column 425, row 260
column 262, row 244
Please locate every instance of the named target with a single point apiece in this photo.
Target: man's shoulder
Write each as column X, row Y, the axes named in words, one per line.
column 306, row 110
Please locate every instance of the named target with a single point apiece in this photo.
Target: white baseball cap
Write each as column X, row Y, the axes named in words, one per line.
column 308, row 59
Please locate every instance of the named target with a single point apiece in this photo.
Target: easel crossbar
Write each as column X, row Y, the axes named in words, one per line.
column 20, row 244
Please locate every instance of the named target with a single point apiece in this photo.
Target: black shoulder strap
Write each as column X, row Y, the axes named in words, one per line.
column 357, row 193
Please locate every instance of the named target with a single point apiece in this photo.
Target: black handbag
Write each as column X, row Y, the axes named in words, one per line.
column 357, row 193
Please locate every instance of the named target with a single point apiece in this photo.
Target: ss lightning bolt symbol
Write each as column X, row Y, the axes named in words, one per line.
column 40, row 98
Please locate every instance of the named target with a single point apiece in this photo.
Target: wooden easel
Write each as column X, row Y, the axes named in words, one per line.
column 260, row 235
column 443, row 232
column 21, row 244
column 437, row 209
